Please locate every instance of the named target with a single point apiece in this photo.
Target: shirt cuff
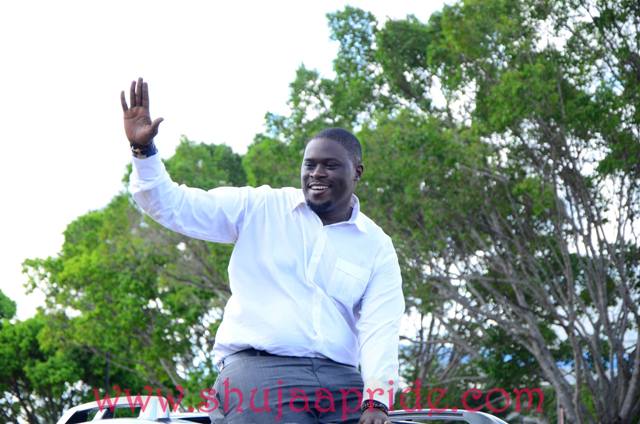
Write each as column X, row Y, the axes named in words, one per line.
column 381, row 391
column 143, row 151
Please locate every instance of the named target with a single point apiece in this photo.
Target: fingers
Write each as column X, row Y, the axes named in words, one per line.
column 145, row 95
column 139, row 92
column 123, row 101
column 132, row 94
column 138, row 95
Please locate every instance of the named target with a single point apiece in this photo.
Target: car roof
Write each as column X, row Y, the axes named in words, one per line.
column 156, row 409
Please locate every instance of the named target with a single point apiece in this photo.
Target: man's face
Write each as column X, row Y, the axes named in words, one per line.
column 328, row 176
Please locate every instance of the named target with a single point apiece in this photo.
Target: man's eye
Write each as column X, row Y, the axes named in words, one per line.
column 332, row 166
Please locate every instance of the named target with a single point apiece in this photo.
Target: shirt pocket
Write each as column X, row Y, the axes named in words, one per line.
column 348, row 282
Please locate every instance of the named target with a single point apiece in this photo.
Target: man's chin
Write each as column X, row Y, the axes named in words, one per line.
column 320, row 208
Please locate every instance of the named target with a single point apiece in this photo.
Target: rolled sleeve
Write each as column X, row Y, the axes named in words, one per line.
column 378, row 327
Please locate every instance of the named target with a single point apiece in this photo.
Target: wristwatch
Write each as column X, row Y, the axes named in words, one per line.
column 143, row 151
column 374, row 404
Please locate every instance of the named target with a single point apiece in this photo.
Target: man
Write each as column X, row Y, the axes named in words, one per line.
column 316, row 286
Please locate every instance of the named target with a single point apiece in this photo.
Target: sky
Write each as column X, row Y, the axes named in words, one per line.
column 214, row 69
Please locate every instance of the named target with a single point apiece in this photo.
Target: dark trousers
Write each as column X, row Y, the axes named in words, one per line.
column 255, row 387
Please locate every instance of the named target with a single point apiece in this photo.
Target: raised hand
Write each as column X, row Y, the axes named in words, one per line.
column 137, row 121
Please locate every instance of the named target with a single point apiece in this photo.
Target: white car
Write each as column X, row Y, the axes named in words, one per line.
column 156, row 411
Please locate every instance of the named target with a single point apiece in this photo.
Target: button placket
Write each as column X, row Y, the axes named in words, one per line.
column 314, row 262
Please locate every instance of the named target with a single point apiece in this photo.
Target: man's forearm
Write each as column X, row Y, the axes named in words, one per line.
column 206, row 215
column 381, row 311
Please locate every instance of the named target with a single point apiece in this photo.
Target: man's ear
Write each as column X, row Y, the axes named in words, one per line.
column 359, row 171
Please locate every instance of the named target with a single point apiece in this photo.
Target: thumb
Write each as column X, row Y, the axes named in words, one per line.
column 155, row 124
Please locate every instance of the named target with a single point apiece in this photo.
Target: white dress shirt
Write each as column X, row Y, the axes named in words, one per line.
column 299, row 288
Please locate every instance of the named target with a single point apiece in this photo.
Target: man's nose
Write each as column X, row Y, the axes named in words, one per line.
column 318, row 171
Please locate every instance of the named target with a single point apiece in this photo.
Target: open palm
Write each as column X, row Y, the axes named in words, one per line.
column 138, row 126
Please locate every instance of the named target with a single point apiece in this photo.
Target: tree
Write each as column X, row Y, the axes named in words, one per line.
column 272, row 162
column 140, row 299
column 35, row 377
column 541, row 244
column 7, row 307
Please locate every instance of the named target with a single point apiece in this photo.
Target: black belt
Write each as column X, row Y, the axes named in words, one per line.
column 251, row 352
column 242, row 354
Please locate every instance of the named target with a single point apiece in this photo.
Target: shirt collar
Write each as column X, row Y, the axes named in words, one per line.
column 356, row 217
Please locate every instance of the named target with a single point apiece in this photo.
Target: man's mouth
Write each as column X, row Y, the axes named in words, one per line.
column 318, row 188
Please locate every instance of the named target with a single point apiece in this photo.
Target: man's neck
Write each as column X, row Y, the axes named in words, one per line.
column 341, row 217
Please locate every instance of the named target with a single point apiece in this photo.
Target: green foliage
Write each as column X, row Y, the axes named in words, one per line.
column 36, row 376
column 352, row 91
column 272, row 162
column 7, row 307
column 206, row 165
column 402, row 53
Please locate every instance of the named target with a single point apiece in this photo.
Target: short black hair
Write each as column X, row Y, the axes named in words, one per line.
column 344, row 138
